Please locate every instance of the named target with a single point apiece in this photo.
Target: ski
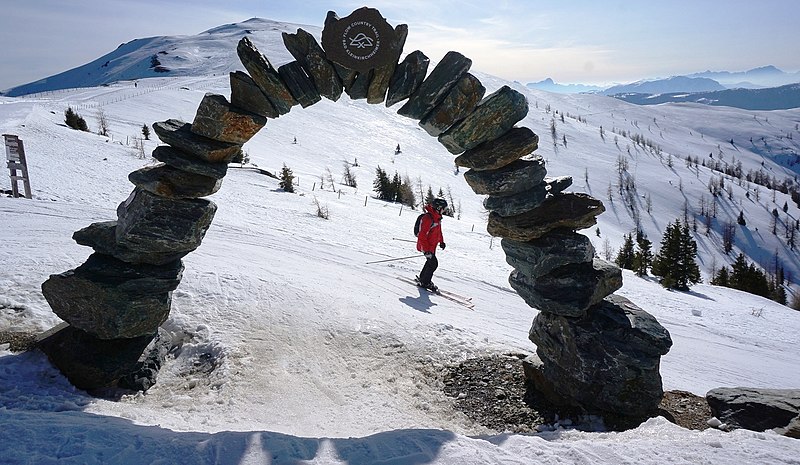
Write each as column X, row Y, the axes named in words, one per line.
column 453, row 297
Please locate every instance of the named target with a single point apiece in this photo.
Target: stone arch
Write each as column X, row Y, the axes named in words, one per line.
column 115, row 302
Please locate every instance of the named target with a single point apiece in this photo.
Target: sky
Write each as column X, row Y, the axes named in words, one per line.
column 579, row 41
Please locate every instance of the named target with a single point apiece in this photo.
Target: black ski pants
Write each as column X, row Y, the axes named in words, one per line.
column 426, row 274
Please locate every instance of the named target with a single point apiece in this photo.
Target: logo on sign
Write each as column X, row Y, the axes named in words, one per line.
column 361, row 41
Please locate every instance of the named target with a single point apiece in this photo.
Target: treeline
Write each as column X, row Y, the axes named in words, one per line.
column 747, row 277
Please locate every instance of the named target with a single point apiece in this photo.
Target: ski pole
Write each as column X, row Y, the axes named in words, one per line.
column 404, row 240
column 394, row 259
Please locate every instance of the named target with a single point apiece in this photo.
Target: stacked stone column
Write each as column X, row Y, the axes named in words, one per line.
column 594, row 351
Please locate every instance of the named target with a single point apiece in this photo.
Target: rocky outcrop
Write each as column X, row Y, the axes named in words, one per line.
column 606, row 361
column 310, row 56
column 756, row 409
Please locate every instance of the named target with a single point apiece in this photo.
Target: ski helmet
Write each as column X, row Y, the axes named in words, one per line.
column 439, row 205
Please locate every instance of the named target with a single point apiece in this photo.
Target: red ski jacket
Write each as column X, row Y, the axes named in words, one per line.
column 430, row 231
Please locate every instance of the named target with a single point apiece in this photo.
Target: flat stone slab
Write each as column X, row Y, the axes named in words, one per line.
column 155, row 224
column 189, row 163
column 756, row 409
column 571, row 211
column 511, row 179
column 308, row 53
column 102, row 237
column 435, row 87
column 173, row 183
column 541, row 256
column 528, row 200
column 299, row 84
column 493, row 117
column 246, row 94
column 569, row 290
column 407, row 77
column 112, row 299
column 179, row 135
column 217, row 119
column 457, row 104
column 497, row 153
column 266, row 76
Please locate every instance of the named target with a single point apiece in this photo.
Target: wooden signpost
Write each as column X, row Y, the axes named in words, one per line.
column 15, row 159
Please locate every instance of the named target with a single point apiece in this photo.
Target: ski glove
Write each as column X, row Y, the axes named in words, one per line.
column 442, row 245
column 428, row 255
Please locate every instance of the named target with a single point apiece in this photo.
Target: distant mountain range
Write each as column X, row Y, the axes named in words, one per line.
column 773, row 98
column 764, row 88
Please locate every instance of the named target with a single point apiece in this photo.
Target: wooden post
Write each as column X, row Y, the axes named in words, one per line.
column 15, row 160
column 401, row 210
column 365, row 200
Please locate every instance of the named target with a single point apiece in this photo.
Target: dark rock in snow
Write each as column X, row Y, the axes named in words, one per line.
column 569, row 290
column 540, row 256
column 102, row 237
column 112, row 299
column 91, row 363
column 755, row 409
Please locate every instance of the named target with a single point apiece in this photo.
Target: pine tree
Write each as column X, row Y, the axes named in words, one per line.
column 625, row 255
column 382, row 184
column 722, row 278
column 287, row 179
column 643, row 257
column 146, row 132
column 675, row 263
column 429, row 196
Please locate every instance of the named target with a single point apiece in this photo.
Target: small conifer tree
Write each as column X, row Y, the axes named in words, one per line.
column 287, row 179
column 146, row 132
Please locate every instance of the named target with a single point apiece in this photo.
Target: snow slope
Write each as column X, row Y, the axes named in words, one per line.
column 295, row 350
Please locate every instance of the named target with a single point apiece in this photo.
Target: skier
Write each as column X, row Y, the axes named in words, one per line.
column 430, row 235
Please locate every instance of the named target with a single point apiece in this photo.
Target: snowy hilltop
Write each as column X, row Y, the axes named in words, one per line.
column 290, row 345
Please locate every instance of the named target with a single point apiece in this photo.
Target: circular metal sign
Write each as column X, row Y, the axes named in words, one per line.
column 362, row 41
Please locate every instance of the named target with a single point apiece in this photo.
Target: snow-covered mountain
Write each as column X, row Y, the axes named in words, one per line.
column 550, row 86
column 294, row 348
column 673, row 84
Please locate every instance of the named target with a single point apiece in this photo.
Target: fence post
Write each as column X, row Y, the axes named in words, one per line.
column 401, row 210
column 365, row 200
